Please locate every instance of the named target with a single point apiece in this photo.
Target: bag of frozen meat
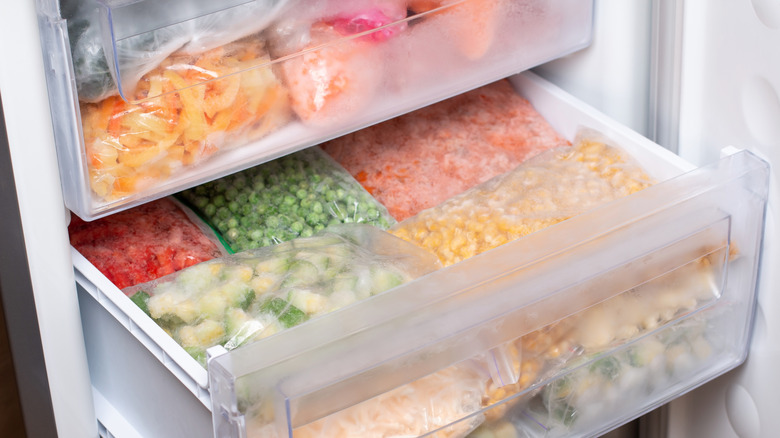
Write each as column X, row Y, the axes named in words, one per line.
column 250, row 295
column 145, row 242
column 418, row 160
column 549, row 188
column 293, row 196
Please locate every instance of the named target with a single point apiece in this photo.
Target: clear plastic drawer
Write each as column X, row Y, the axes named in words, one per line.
column 571, row 330
column 152, row 97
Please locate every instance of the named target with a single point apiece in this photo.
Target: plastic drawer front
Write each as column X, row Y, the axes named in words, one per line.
column 142, row 111
column 572, row 330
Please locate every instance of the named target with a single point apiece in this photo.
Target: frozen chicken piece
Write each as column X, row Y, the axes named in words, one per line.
column 543, row 191
column 144, row 243
column 247, row 296
column 183, row 115
column 419, row 160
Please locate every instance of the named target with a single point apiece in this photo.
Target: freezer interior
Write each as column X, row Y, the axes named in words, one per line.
column 572, row 330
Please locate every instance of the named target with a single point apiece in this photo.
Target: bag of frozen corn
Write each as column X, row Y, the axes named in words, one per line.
column 549, row 188
column 247, row 296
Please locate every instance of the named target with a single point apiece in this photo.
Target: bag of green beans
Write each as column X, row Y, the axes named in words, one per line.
column 293, row 196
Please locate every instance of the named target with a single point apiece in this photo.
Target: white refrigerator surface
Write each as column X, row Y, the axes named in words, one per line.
column 703, row 75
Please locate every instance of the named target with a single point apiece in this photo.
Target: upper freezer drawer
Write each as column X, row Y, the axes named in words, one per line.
column 571, row 330
column 151, row 97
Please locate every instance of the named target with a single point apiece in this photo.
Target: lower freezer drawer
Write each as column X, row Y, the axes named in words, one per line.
column 572, row 330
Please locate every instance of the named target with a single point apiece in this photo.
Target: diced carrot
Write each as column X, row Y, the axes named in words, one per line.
column 115, row 118
column 124, row 184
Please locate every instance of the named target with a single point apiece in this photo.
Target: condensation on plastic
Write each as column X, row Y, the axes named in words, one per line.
column 693, row 254
column 296, row 195
column 542, row 191
column 240, row 298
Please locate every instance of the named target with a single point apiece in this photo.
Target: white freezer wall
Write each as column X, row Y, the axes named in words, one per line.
column 56, row 395
column 696, row 76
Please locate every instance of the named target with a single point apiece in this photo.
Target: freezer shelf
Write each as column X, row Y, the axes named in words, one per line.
column 461, row 315
column 154, row 97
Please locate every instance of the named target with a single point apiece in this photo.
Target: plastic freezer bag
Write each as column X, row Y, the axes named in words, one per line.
column 296, row 195
column 139, row 54
column 331, row 74
column 547, row 189
column 419, row 160
column 146, row 242
column 250, row 295
column 132, row 147
column 432, row 403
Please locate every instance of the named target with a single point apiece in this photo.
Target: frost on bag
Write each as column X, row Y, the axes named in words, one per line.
column 250, row 295
column 139, row 54
column 547, row 189
column 132, row 147
column 296, row 195
column 331, row 74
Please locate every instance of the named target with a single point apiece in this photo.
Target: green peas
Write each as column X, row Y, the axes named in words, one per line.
column 296, row 195
column 223, row 213
column 297, row 226
column 232, row 234
column 272, row 222
column 231, row 193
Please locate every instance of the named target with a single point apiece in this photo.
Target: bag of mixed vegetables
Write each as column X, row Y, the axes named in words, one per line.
column 247, row 296
column 139, row 54
column 293, row 196
column 131, row 147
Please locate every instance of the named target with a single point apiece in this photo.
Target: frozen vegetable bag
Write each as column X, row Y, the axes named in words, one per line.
column 293, row 196
column 246, row 296
column 185, row 110
column 547, row 189
column 145, row 242
column 184, row 27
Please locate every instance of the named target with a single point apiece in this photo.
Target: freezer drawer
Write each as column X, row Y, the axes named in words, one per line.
column 572, row 330
column 150, row 98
